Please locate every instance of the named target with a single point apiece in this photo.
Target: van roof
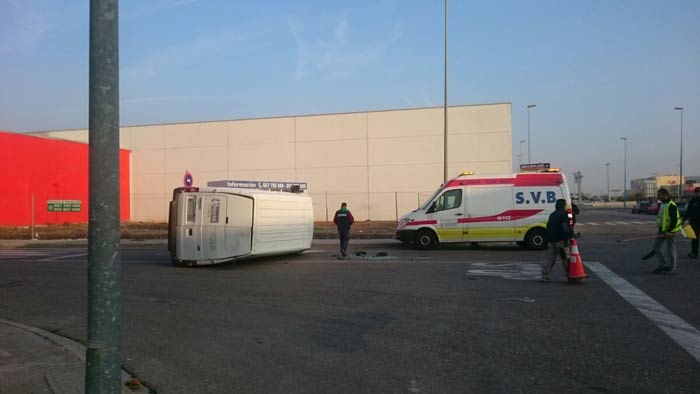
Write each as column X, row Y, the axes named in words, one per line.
column 516, row 179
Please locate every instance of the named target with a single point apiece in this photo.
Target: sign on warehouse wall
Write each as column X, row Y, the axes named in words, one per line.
column 63, row 205
column 268, row 185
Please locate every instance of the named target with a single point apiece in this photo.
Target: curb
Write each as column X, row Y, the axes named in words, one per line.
column 68, row 344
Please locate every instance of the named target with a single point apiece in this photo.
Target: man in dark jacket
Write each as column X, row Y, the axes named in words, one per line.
column 559, row 232
column 692, row 214
column 343, row 220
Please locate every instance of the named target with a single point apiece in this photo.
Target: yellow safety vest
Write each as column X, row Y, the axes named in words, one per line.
column 663, row 218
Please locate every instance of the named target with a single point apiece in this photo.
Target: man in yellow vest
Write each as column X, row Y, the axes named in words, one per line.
column 669, row 221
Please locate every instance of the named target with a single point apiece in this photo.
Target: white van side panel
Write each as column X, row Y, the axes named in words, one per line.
column 239, row 229
column 282, row 223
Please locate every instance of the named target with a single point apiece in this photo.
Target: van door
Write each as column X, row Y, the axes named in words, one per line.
column 239, row 227
column 187, row 242
column 490, row 213
column 448, row 209
column 213, row 224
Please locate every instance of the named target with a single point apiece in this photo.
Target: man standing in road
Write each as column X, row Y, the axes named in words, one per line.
column 669, row 221
column 692, row 214
column 559, row 232
column 343, row 220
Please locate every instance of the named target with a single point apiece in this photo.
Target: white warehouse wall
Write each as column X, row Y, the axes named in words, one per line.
column 381, row 163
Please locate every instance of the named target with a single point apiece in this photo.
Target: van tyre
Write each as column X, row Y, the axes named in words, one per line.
column 536, row 239
column 425, row 239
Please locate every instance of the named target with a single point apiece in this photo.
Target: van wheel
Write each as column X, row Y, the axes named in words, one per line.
column 175, row 262
column 536, row 239
column 425, row 239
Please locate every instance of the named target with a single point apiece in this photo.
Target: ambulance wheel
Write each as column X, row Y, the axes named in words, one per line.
column 536, row 239
column 425, row 239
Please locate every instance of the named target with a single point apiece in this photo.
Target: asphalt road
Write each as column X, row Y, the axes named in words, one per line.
column 453, row 320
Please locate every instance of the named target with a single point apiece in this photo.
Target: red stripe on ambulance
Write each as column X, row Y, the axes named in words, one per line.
column 519, row 180
column 505, row 216
column 421, row 222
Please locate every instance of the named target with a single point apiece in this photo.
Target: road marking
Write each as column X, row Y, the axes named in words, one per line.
column 63, row 257
column 523, row 299
column 593, row 224
column 638, row 222
column 611, row 223
column 687, row 336
column 513, row 271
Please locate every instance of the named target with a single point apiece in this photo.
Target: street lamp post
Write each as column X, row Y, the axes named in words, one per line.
column 607, row 173
column 529, row 157
column 445, row 101
column 680, row 176
column 624, row 186
column 521, row 153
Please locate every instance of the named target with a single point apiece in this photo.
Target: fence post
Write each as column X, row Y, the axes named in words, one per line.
column 418, row 196
column 396, row 204
column 326, row 207
column 32, row 229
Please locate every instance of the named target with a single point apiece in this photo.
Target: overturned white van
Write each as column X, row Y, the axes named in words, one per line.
column 211, row 225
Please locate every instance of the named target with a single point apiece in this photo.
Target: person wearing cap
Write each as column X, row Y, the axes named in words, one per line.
column 559, row 232
column 343, row 220
column 669, row 221
column 692, row 215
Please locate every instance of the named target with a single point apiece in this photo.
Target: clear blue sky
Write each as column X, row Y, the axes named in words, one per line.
column 597, row 70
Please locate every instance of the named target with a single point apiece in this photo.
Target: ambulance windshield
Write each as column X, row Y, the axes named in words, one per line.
column 428, row 201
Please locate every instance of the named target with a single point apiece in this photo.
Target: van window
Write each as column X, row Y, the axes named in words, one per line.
column 189, row 214
column 449, row 200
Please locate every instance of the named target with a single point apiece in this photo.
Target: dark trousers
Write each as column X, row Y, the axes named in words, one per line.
column 694, row 243
column 344, row 236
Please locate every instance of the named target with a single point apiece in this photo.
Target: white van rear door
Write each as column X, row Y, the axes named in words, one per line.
column 213, row 223
column 188, row 234
column 490, row 213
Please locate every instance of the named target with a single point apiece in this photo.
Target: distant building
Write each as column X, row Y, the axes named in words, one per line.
column 646, row 188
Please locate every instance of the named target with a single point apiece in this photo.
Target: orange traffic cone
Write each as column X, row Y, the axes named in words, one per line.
column 576, row 272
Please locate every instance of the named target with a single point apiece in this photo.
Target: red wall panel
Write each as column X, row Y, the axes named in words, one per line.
column 51, row 170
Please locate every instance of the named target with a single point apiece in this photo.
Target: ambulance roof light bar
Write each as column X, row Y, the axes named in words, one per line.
column 463, row 173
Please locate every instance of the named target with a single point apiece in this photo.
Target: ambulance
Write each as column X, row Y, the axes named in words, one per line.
column 473, row 208
column 211, row 225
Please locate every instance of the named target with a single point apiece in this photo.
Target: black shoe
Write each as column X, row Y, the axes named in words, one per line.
column 667, row 271
column 692, row 256
column 661, row 269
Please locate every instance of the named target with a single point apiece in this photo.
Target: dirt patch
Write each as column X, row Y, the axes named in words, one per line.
column 150, row 230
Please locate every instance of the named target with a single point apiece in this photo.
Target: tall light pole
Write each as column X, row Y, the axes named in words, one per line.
column 529, row 157
column 521, row 152
column 624, row 186
column 680, row 176
column 445, row 101
column 607, row 172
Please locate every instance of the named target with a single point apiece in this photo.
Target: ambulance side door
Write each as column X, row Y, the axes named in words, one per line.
column 449, row 211
column 490, row 214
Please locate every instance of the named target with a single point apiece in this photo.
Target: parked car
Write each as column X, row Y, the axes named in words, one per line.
column 641, row 207
column 653, row 209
